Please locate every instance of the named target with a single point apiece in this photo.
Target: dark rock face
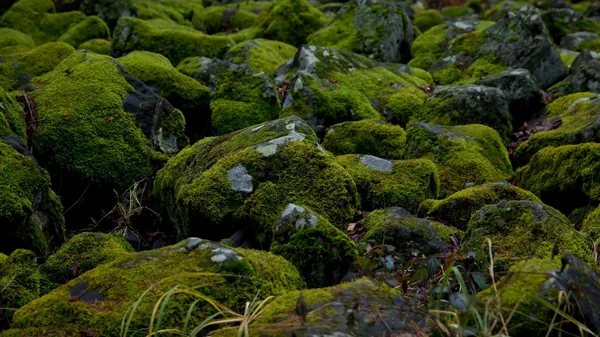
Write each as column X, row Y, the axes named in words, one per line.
column 572, row 41
column 584, row 75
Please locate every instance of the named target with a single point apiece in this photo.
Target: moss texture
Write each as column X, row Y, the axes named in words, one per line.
column 96, row 301
column 427, row 19
column 19, row 281
column 383, row 183
column 290, row 21
column 12, row 40
column 216, row 19
column 262, row 55
column 98, row 46
column 30, row 212
column 245, row 179
column 12, row 121
column 174, row 41
column 523, row 229
column 465, row 155
column 456, row 209
column 91, row 28
column 366, row 137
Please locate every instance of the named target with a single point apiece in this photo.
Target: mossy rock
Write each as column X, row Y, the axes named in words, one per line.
column 290, row 21
column 327, row 86
column 12, row 121
column 468, row 104
column 366, row 137
column 584, row 76
column 523, row 229
column 591, row 224
column 17, row 70
column 409, row 235
column 579, row 115
column 174, row 41
column 321, row 252
column 564, row 177
column 81, row 253
column 96, row 301
column 12, row 41
column 568, row 57
column 244, row 180
column 19, row 281
column 261, row 55
column 456, row 209
column 465, row 155
column 380, row 31
column 101, row 128
column 98, row 46
column 580, row 41
column 563, row 21
column 186, row 94
column 217, row 19
column 385, row 183
column 344, row 309
column 91, row 28
column 38, row 19
column 427, row 19
column 456, row 12
column 501, row 10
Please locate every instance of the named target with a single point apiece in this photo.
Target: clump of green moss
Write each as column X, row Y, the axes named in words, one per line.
column 98, row 46
column 456, row 209
column 366, row 137
column 428, row 19
column 408, row 234
column 174, row 41
column 384, row 183
column 38, row 19
column 591, row 224
column 562, row 21
column 243, row 180
column 321, row 252
column 12, row 41
column 454, row 12
column 91, row 28
column 216, row 19
column 12, row 121
column 290, row 21
column 31, row 214
column 81, row 253
column 523, row 229
column 501, row 9
column 261, row 55
column 19, row 281
column 96, row 300
column 465, row 155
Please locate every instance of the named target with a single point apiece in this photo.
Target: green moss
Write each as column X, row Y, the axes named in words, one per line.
column 37, row 18
column 12, row 121
column 456, row 11
column 568, row 58
column 215, row 19
column 591, row 224
column 174, row 41
column 408, row 183
column 467, row 43
column 98, row 46
column 246, row 34
column 19, row 281
column 427, row 19
column 262, row 55
column 582, row 6
column 290, row 21
column 593, row 45
column 523, row 229
column 501, row 9
column 429, row 46
column 464, row 155
column 366, row 137
column 404, row 104
column 91, row 28
column 111, row 289
column 229, row 116
column 456, row 209
column 12, row 41
column 81, row 253
column 30, row 212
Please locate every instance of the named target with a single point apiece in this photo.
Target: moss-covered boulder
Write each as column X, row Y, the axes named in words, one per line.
column 99, row 128
column 457, row 13
column 261, row 55
column 216, row 19
column 381, row 31
column 327, row 86
column 30, row 213
column 245, row 179
column 456, row 209
column 501, row 9
column 386, row 183
column 98, row 46
column 522, row 93
column 467, row 104
column 523, row 229
column 12, row 121
column 12, row 41
column 17, row 70
column 182, row 91
column 96, row 301
column 91, row 28
column 427, row 19
column 19, row 282
column 564, row 177
column 591, row 224
column 465, row 155
column 347, row 309
column 174, row 41
column 580, row 41
column 564, row 21
column 81, row 253
column 368, row 136
column 290, row 21
column 410, row 236
column 584, row 75
column 38, row 19
column 579, row 118
column 321, row 252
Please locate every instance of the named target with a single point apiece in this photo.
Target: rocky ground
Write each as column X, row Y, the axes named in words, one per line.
column 365, row 168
